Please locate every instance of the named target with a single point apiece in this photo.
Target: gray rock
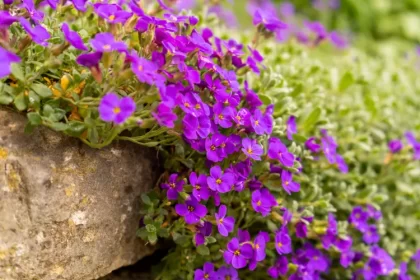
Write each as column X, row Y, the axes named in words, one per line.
column 68, row 211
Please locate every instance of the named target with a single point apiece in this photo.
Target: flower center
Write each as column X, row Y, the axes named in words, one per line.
column 190, row 208
column 249, row 151
column 212, row 147
column 286, row 183
column 316, row 258
column 238, row 118
column 218, row 181
column 279, row 244
column 223, row 145
column 197, row 187
column 107, row 47
column 187, row 105
column 197, row 106
column 257, row 246
column 357, row 216
column 172, row 185
column 221, row 221
column 117, row 110
column 221, row 117
column 237, row 253
column 140, row 67
column 111, row 17
column 257, row 122
column 206, row 276
column 259, row 203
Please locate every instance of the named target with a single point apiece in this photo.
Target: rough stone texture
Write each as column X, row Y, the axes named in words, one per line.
column 127, row 275
column 68, row 211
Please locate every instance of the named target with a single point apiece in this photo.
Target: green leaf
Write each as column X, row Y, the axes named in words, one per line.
column 203, row 250
column 5, row 99
column 34, row 118
column 265, row 99
column 42, row 90
column 210, row 239
column 142, row 233
column 17, row 72
column 181, row 240
column 346, row 81
column 150, row 228
column 312, row 118
column 75, row 128
column 21, row 102
column 146, row 199
column 34, row 101
column 152, row 236
column 59, row 126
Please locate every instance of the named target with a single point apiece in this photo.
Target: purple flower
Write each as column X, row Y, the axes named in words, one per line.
column 312, row 145
column 291, row 127
column 318, row 29
column 403, row 272
column 6, row 19
column 198, row 41
column 371, row 236
column 411, row 139
column 200, row 189
column 164, row 116
column 346, row 258
column 286, row 181
column 38, row 33
column 317, row 261
column 283, row 242
column 252, row 149
column 112, row 13
column 73, row 38
column 237, row 255
column 259, row 246
column 287, row 217
column 105, row 42
column 227, row 273
column 174, row 186
column 80, row 5
column 258, row 122
column 341, row 164
column 268, row 19
column 191, row 210
column 35, row 15
column 219, row 181
column 202, row 231
column 224, row 224
column 195, row 127
column 280, row 267
column 287, row 10
column 358, row 218
column 373, row 213
column 146, row 71
column 329, row 146
column 114, row 109
column 90, row 59
column 223, row 115
column 301, row 229
column 207, row 273
column 380, row 262
column 6, row 60
column 277, row 150
column 338, row 40
column 416, row 259
column 395, row 146
column 262, row 201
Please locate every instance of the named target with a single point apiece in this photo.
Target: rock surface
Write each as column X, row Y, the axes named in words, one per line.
column 68, row 211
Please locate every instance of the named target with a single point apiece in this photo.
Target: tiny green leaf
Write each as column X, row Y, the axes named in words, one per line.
column 42, row 90
column 203, row 250
column 34, row 118
column 18, row 72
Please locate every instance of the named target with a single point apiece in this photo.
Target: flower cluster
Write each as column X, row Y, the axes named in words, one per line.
column 236, row 167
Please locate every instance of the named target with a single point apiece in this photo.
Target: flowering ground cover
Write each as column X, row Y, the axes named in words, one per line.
column 288, row 152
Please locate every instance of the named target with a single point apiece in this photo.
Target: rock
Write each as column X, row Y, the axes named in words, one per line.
column 68, row 211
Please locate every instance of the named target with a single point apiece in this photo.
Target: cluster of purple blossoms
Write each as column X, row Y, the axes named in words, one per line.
column 396, row 145
column 360, row 218
column 202, row 98
column 329, row 147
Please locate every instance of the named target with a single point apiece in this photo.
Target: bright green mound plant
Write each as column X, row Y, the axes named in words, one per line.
column 291, row 167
